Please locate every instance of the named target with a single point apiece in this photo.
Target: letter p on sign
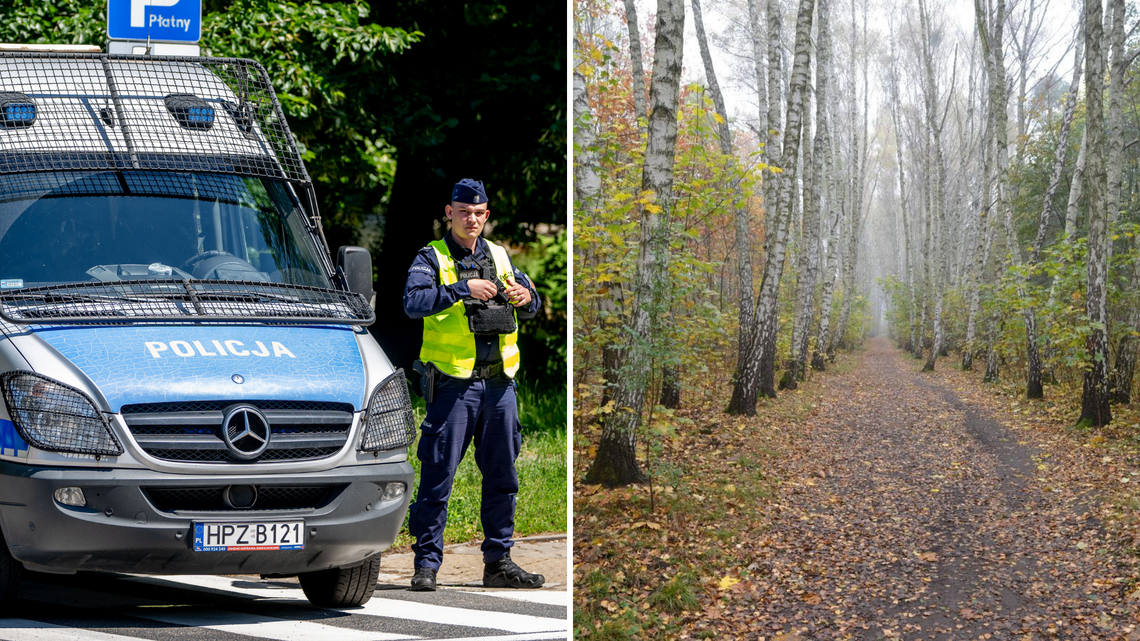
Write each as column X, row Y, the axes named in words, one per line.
column 138, row 9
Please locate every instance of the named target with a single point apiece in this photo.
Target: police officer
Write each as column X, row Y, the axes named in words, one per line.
column 469, row 385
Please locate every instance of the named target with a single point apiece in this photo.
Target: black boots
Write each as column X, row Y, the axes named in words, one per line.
column 424, row 580
column 505, row 573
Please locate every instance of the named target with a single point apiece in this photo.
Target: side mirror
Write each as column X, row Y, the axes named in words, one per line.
column 356, row 265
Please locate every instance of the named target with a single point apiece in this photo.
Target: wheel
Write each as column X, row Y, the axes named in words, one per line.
column 342, row 587
column 11, row 571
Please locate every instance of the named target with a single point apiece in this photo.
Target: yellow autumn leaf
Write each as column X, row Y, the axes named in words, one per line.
column 727, row 582
column 653, row 209
column 719, row 119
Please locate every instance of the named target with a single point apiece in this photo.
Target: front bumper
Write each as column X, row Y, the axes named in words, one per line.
column 121, row 530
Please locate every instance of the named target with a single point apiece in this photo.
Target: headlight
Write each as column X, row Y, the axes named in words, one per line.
column 56, row 417
column 389, row 423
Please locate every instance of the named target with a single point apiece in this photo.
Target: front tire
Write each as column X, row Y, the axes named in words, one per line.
column 11, row 571
column 342, row 587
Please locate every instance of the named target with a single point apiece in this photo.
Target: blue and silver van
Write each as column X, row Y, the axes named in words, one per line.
column 188, row 385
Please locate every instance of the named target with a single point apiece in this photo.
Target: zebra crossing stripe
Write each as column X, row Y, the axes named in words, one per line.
column 536, row 637
column 264, row 627
column 225, row 585
column 545, row 597
column 25, row 630
column 378, row 606
column 461, row 616
column 254, row 625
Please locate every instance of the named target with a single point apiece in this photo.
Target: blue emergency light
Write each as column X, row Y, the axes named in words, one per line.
column 200, row 114
column 17, row 110
column 190, row 111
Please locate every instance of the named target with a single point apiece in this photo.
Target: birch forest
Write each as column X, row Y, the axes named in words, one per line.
column 856, row 318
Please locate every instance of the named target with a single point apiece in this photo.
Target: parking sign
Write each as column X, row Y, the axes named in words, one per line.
column 158, row 20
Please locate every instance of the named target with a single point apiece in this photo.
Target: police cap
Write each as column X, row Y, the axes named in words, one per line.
column 468, row 191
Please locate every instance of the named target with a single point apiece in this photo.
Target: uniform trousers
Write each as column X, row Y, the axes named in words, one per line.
column 483, row 412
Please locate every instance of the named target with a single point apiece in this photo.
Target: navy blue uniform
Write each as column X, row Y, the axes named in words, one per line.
column 465, row 411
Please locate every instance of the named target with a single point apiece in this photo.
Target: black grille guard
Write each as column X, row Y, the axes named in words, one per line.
column 172, row 301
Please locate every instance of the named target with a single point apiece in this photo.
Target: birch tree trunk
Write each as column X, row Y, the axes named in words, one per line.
column 981, row 249
column 1055, row 176
column 748, row 376
column 615, row 462
column 830, row 279
column 801, row 222
column 587, row 201
column 938, row 178
column 635, row 65
column 990, row 36
column 772, row 189
column 813, row 196
column 1062, row 149
column 904, row 213
column 1095, row 409
column 855, row 207
column 724, row 136
column 770, row 123
column 744, row 266
column 1120, row 383
column 1076, row 190
column 772, row 134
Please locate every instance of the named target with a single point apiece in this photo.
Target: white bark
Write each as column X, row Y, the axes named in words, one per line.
column 615, row 462
column 635, row 64
column 937, row 179
column 1094, row 401
column 748, row 373
column 807, row 274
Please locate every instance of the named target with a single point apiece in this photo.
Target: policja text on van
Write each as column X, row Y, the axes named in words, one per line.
column 236, row 348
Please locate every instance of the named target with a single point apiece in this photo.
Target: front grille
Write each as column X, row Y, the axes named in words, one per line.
column 223, row 456
column 191, row 432
column 160, row 430
column 217, row 406
column 269, row 497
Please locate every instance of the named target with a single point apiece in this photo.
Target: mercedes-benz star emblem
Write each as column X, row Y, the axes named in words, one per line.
column 246, row 432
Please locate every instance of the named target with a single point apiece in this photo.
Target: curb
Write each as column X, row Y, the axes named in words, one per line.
column 526, row 539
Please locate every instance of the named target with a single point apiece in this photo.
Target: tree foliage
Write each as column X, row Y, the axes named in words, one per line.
column 391, row 104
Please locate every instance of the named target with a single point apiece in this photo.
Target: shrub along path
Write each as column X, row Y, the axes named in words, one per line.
column 908, row 506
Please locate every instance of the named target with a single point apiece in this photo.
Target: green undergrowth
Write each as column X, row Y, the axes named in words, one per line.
column 541, row 501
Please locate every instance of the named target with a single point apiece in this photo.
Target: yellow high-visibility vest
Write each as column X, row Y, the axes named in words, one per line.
column 448, row 340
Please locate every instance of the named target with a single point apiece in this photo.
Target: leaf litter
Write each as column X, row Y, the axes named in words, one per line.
column 876, row 502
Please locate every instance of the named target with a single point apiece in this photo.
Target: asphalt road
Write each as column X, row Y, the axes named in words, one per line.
column 119, row 607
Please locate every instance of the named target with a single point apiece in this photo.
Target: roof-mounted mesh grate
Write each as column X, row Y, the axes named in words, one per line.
column 166, row 301
column 108, row 112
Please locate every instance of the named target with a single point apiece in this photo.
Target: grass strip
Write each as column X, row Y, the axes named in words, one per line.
column 541, row 465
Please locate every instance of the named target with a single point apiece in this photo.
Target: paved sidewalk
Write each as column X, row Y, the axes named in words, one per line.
column 463, row 564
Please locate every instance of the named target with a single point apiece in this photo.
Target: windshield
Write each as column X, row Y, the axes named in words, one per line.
column 84, row 227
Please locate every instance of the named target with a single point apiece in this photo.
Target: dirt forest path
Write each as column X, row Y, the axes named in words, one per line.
column 915, row 514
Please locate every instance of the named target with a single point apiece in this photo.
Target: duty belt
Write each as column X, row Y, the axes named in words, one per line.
column 487, row 371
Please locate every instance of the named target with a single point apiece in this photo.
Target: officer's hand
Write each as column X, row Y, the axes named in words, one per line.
column 517, row 294
column 482, row 289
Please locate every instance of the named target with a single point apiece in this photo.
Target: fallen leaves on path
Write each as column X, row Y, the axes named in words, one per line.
column 876, row 502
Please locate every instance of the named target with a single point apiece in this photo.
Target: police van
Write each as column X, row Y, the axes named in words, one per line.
column 188, row 385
